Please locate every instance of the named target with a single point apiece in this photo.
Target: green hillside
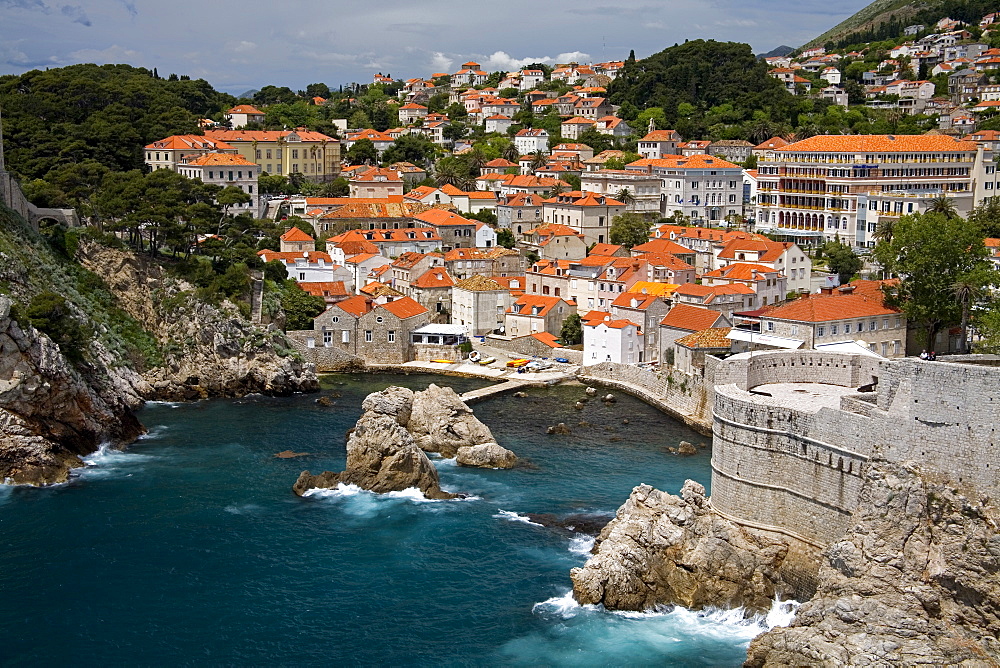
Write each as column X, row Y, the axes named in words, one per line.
column 885, row 19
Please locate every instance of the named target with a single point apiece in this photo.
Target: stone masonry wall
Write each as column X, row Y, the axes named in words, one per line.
column 798, row 472
column 326, row 359
column 683, row 396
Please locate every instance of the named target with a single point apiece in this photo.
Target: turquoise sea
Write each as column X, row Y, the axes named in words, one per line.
column 191, row 549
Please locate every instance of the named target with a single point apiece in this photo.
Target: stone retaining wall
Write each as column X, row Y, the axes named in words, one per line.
column 327, row 360
column 683, row 396
column 529, row 346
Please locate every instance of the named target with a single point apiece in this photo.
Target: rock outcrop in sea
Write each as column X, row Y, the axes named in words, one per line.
column 914, row 582
column 666, row 550
column 385, row 450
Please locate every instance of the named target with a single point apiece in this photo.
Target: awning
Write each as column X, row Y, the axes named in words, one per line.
column 445, row 330
column 849, row 347
column 764, row 339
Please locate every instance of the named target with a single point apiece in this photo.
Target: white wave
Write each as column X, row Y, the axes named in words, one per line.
column 723, row 624
column 511, row 516
column 108, row 461
column 154, row 433
column 581, row 544
column 168, row 404
column 411, row 494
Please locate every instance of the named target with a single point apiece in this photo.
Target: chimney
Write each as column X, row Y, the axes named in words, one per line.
column 826, row 290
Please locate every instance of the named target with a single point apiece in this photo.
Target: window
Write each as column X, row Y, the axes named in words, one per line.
column 847, row 328
column 379, row 319
column 268, row 154
column 295, row 154
column 295, row 166
column 872, row 326
column 327, row 337
column 345, row 336
column 833, row 330
column 302, row 275
column 335, row 318
column 258, row 154
column 795, row 330
column 391, row 337
column 694, row 185
column 368, row 336
column 885, row 323
column 821, row 331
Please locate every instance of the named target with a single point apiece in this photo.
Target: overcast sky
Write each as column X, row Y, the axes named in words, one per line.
column 237, row 46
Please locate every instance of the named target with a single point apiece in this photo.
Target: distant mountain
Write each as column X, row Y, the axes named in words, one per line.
column 884, row 19
column 777, row 52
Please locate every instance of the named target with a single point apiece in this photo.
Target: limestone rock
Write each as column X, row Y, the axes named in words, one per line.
column 51, row 412
column 915, row 581
column 591, row 391
column 662, row 549
column 579, row 405
column 609, row 398
column 560, row 429
column 382, row 456
column 487, row 456
column 209, row 350
column 441, row 422
column 685, row 448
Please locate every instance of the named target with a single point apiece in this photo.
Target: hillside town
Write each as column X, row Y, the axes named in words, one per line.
column 647, row 249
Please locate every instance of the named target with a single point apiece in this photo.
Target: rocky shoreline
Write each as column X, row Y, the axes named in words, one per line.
column 916, row 580
column 54, row 412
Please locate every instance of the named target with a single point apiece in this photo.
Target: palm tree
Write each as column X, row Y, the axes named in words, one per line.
column 884, row 230
column 538, row 160
column 944, row 205
column 476, row 158
column 626, row 197
column 966, row 290
column 448, row 171
column 511, row 153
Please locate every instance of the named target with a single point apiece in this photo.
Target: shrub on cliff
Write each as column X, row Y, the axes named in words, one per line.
column 300, row 307
column 49, row 312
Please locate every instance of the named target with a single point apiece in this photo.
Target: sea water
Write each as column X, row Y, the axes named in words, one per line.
column 190, row 547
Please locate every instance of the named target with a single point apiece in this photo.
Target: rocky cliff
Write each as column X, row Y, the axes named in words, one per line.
column 139, row 335
column 914, row 582
column 666, row 550
column 51, row 412
column 208, row 350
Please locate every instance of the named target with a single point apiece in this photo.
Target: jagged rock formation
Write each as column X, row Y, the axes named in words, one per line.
column 382, row 455
column 52, row 413
column 442, row 423
column 385, row 451
column 486, row 456
column 662, row 550
column 208, row 350
column 914, row 582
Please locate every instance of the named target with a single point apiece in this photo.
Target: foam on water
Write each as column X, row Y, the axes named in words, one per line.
column 581, row 544
column 511, row 516
column 168, row 404
column 108, row 461
column 573, row 633
column 154, row 433
column 243, row 508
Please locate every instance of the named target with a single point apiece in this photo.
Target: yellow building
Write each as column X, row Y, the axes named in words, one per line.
column 312, row 154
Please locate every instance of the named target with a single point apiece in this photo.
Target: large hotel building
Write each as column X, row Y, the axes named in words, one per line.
column 839, row 186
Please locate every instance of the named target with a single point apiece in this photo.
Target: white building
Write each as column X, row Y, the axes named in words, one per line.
column 225, row 170
column 530, row 140
column 608, row 340
column 704, row 187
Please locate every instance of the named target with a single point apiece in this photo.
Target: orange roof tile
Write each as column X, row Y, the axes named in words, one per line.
column 296, row 234
column 713, row 337
column 436, row 277
column 879, row 144
column 357, row 305
column 691, row 318
column 826, row 308
column 324, row 288
column 404, row 307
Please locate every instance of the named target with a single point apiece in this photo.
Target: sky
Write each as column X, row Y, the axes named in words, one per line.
column 239, row 46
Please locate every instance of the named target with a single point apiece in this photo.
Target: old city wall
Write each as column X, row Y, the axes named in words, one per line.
column 798, row 471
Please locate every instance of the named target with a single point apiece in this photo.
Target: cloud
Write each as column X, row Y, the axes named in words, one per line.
column 441, row 62
column 31, row 5
column 501, row 60
column 130, row 8
column 112, row 54
column 76, row 13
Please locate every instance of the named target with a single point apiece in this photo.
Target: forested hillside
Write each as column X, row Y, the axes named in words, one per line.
column 106, row 113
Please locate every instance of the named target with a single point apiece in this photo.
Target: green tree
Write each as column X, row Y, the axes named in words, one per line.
column 300, row 307
column 571, row 333
column 50, row 313
column 363, row 152
column 842, row 260
column 629, row 229
column 931, row 253
column 987, row 216
column 417, row 149
column 505, row 238
column 596, row 140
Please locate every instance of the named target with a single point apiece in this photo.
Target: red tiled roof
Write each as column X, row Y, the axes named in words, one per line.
column 826, row 308
column 296, row 234
column 404, row 307
column 713, row 337
column 691, row 318
column 324, row 288
column 436, row 277
column 357, row 305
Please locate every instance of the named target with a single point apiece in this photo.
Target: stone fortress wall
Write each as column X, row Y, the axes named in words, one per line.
column 789, row 467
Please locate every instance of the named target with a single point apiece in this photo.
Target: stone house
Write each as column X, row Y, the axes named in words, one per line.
column 647, row 311
column 480, row 304
column 726, row 299
column 587, row 213
column 531, row 314
column 769, row 286
column 690, row 351
column 519, row 212
column 659, row 143
column 554, row 242
column 733, row 150
column 433, row 291
column 407, row 267
column 684, row 319
column 376, row 183
column 375, row 330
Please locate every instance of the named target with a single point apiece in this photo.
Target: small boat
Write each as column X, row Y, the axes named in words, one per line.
column 562, row 360
column 474, row 356
column 517, row 364
column 487, row 360
column 443, row 361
